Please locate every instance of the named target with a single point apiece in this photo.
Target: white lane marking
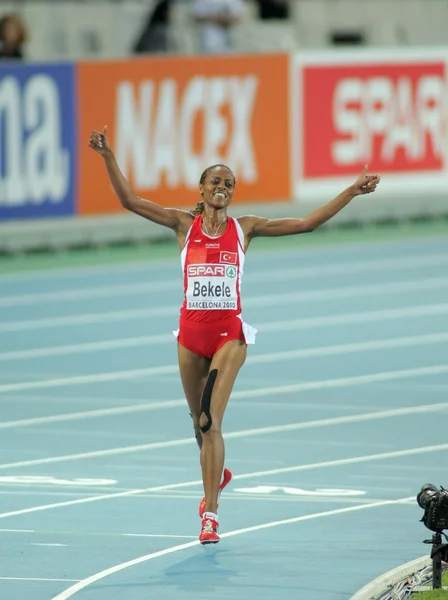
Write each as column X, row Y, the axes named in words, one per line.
column 145, row 535
column 248, row 498
column 93, row 414
column 136, row 561
column 353, row 347
column 198, row 494
column 157, row 535
column 258, row 255
column 42, row 480
column 17, row 530
column 79, row 379
column 36, row 579
column 69, row 272
column 269, row 358
column 348, row 291
column 311, row 385
column 107, row 291
column 372, row 316
column 82, row 348
column 345, row 461
column 76, row 294
column 295, row 491
column 74, row 397
column 49, row 545
column 256, row 474
column 16, row 492
column 270, row 327
column 275, row 326
column 325, row 295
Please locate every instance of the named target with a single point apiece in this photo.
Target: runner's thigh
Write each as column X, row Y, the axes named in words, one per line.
column 193, row 373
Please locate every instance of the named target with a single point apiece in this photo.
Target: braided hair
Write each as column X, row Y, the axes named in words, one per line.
column 199, row 210
column 200, row 206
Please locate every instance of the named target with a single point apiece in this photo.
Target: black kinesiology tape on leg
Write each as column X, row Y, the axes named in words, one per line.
column 207, row 399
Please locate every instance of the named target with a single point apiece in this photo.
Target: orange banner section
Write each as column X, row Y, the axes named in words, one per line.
column 170, row 118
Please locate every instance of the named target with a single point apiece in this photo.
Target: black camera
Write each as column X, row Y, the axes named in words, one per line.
column 435, row 504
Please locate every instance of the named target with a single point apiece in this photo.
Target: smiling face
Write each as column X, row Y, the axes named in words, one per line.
column 217, row 187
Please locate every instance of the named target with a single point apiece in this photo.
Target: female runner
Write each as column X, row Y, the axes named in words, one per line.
column 212, row 338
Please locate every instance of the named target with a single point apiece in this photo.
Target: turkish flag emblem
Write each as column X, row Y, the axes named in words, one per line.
column 228, row 257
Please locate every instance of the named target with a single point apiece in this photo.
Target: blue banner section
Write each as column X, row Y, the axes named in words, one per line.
column 37, row 141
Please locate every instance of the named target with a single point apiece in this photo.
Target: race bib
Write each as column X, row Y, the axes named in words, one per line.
column 212, row 287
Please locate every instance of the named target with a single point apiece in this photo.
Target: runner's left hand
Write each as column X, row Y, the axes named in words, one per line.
column 365, row 184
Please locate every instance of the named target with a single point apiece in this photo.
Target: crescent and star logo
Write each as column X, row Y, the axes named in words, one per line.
column 227, row 257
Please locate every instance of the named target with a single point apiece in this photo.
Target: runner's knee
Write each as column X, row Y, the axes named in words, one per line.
column 204, row 422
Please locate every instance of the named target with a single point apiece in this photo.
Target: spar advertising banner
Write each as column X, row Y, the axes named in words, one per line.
column 169, row 118
column 388, row 110
column 37, row 141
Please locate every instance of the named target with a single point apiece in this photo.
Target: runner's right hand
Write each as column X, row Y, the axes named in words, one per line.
column 100, row 142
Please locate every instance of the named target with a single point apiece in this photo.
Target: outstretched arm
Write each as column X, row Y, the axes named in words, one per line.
column 261, row 227
column 169, row 217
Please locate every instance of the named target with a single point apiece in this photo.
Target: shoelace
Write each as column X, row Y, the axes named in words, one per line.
column 208, row 526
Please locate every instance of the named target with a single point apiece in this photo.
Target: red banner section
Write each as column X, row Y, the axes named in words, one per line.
column 170, row 118
column 392, row 116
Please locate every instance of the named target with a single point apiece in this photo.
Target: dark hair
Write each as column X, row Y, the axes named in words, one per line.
column 199, row 210
column 205, row 173
column 200, row 206
column 12, row 18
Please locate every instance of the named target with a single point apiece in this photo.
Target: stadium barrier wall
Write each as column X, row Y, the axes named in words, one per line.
column 295, row 128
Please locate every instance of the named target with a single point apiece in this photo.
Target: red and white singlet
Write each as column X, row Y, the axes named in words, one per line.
column 213, row 269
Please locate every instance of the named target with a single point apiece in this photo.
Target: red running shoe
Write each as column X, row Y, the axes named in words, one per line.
column 209, row 532
column 226, row 479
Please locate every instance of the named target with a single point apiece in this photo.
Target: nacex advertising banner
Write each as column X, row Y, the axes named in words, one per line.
column 170, row 118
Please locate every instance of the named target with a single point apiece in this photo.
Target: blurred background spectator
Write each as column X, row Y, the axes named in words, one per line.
column 155, row 36
column 273, row 9
column 12, row 37
column 215, row 19
column 110, row 29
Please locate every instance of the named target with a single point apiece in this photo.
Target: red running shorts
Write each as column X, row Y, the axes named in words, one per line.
column 205, row 339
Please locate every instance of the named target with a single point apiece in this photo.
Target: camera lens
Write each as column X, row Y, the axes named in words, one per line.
column 426, row 495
